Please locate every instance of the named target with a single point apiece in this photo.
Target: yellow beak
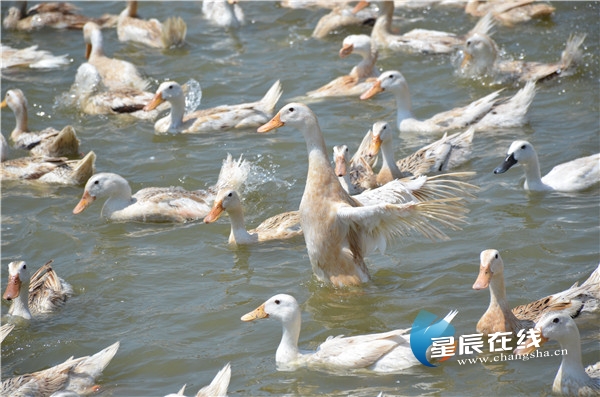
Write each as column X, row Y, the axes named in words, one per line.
column 157, row 100
column 483, row 279
column 85, row 202
column 256, row 314
column 275, row 122
column 215, row 212
column 374, row 90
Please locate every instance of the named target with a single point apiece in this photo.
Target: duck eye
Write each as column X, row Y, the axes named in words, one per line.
column 24, row 266
column 468, row 42
column 523, row 147
column 556, row 320
column 292, row 109
column 277, row 301
column 496, row 256
column 96, row 182
column 171, row 87
column 230, row 194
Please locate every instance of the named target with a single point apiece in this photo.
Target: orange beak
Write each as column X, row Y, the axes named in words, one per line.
column 85, row 202
column 374, row 90
column 346, row 50
column 215, row 212
column 157, row 100
column 526, row 349
column 256, row 314
column 13, row 288
column 275, row 122
column 375, row 145
column 466, row 59
column 483, row 279
column 3, row 104
column 361, row 5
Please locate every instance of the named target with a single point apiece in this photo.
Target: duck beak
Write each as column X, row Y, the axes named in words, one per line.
column 340, row 166
column 12, row 288
column 374, row 90
column 275, row 122
column 466, row 60
column 375, row 145
column 157, row 100
column 256, row 314
column 3, row 104
column 85, row 202
column 346, row 50
column 483, row 279
column 215, row 212
column 509, row 161
column 361, row 5
column 528, row 346
column 88, row 50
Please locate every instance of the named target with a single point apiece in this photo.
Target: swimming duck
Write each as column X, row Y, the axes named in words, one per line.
column 130, row 27
column 245, row 115
column 509, row 12
column 157, row 204
column 44, row 292
column 499, row 317
column 354, row 177
column 572, row 379
column 217, row 388
column 53, row 15
column 480, row 54
column 115, row 73
column 53, row 170
column 485, row 113
column 340, row 230
column 48, row 142
column 74, row 376
column 340, row 16
column 417, row 40
column 571, row 176
column 5, row 329
column 224, row 13
column 30, row 57
column 385, row 352
column 360, row 78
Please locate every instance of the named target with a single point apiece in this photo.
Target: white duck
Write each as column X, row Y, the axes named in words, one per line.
column 385, row 352
column 53, row 170
column 500, row 318
column 157, row 204
column 480, row 58
column 76, row 376
column 340, row 230
column 115, row 73
column 216, row 388
column 153, row 33
column 224, row 13
column 485, row 113
column 572, row 379
column 30, row 57
column 571, row 176
column 44, row 292
column 48, row 142
column 360, row 78
column 279, row 227
column 341, row 16
column 245, row 115
column 511, row 11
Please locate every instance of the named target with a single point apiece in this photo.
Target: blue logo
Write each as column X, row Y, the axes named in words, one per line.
column 423, row 329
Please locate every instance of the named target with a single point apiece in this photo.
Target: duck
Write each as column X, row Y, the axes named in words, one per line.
column 49, row 170
column 157, row 204
column 340, row 230
column 500, row 318
column 343, row 16
column 489, row 112
column 356, row 177
column 360, row 78
column 224, row 117
column 5, row 329
column 421, row 41
column 574, row 175
column 385, row 352
column 52, row 15
column 224, row 13
column 279, row 227
column 44, row 292
column 48, row 142
column 572, row 379
column 75, row 376
column 480, row 58
column 511, row 12
column 216, row 388
column 153, row 33
column 116, row 73
column 30, row 57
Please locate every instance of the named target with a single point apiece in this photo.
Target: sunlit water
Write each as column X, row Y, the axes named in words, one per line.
column 173, row 294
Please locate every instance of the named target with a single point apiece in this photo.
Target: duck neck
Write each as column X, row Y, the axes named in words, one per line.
column 132, row 9
column 97, row 44
column 21, row 121
column 118, row 200
column 533, row 176
column 177, row 113
column 498, row 300
column 20, row 306
column 403, row 104
column 288, row 347
column 318, row 163
column 571, row 367
column 366, row 67
column 383, row 24
column 387, row 155
column 238, row 233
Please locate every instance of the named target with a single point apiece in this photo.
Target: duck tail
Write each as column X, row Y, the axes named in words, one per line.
column 233, row 174
column 592, row 284
column 95, row 364
column 84, row 169
column 218, row 386
column 173, row 32
column 484, row 26
column 66, row 143
column 572, row 53
column 268, row 102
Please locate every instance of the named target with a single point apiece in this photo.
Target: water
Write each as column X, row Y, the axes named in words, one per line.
column 173, row 294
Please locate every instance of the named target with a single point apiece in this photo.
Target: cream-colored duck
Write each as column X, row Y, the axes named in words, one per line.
column 216, row 388
column 76, row 376
column 245, row 115
column 500, row 318
column 572, row 379
column 339, row 231
column 355, row 177
column 279, row 227
column 5, row 329
column 360, row 78
column 510, row 12
column 417, row 40
column 53, row 15
column 115, row 73
column 157, row 204
column 153, row 33
column 485, row 113
column 48, row 142
column 52, row 170
column 44, row 292
column 30, row 57
column 480, row 58
column 341, row 16
column 574, row 175
column 386, row 352
column 224, row 13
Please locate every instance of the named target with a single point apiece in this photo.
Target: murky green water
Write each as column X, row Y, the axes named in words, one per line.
column 173, row 294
